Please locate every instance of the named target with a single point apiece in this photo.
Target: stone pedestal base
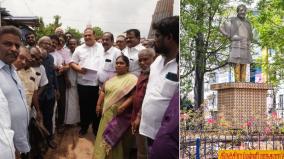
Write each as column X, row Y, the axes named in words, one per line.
column 242, row 105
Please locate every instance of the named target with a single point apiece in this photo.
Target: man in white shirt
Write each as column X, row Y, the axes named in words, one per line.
column 7, row 149
column 133, row 48
column 86, row 62
column 36, row 64
column 62, row 59
column 10, row 41
column 163, row 79
column 28, row 78
column 121, row 42
column 107, row 62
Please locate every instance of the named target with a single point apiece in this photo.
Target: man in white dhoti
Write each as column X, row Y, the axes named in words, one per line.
column 72, row 111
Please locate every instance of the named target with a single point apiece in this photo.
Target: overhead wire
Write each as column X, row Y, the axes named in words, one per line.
column 29, row 9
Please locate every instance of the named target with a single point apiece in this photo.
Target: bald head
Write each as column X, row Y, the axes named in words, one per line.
column 146, row 58
column 36, row 56
column 59, row 31
column 45, row 43
column 148, row 52
column 44, row 38
column 121, row 42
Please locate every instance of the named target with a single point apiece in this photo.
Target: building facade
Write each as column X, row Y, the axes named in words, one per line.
column 164, row 8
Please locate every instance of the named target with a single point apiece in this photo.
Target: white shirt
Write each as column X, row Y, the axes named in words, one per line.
column 14, row 92
column 58, row 60
column 86, row 55
column 41, row 79
column 65, row 54
column 157, row 97
column 107, row 64
column 7, row 149
column 28, row 79
column 132, row 54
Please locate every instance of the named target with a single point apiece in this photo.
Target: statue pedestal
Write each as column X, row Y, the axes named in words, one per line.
column 243, row 105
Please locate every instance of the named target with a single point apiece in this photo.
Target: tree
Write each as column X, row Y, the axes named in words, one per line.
column 99, row 32
column 267, row 20
column 45, row 30
column 75, row 33
column 49, row 29
column 203, row 49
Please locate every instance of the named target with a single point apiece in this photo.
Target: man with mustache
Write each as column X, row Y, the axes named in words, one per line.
column 86, row 61
column 121, row 42
column 10, row 42
column 132, row 50
column 108, row 59
column 30, row 39
column 163, row 79
column 146, row 58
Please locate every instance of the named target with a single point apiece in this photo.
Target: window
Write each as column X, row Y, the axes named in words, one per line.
column 214, row 100
column 212, row 78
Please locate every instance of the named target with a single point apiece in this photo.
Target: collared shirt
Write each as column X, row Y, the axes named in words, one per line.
column 57, row 58
column 132, row 54
column 65, row 54
column 28, row 78
column 139, row 94
column 7, row 149
column 159, row 92
column 107, row 64
column 41, row 78
column 15, row 94
column 88, row 55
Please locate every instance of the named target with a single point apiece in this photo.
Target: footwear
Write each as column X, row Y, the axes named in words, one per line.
column 82, row 133
column 52, row 144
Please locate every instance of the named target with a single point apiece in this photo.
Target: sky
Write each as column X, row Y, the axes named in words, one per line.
column 114, row 16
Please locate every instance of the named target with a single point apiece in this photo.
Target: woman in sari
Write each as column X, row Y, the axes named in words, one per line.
column 114, row 103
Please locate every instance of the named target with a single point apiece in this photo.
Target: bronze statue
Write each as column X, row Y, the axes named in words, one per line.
column 239, row 31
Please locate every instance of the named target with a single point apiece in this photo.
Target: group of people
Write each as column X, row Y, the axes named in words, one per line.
column 127, row 92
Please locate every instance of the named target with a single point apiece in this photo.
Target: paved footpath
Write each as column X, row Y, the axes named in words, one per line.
column 70, row 146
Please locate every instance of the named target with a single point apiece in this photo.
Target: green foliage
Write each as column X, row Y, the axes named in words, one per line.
column 203, row 48
column 99, row 32
column 45, row 30
column 185, row 104
column 76, row 33
column 267, row 20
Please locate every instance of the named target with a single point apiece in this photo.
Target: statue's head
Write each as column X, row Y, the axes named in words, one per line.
column 241, row 10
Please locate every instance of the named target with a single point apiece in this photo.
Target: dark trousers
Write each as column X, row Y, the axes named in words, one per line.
column 47, row 108
column 88, row 97
column 61, row 102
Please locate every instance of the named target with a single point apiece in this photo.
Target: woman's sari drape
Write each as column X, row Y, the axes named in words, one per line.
column 112, row 127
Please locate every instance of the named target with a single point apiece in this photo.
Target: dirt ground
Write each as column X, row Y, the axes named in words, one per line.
column 70, row 146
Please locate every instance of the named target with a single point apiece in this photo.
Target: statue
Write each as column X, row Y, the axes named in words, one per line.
column 239, row 31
